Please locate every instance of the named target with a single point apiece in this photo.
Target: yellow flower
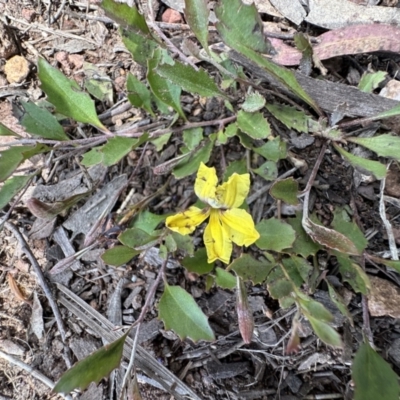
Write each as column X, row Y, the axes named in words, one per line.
column 227, row 223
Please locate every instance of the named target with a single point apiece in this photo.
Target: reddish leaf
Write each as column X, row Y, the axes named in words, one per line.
column 329, row 238
column 354, row 39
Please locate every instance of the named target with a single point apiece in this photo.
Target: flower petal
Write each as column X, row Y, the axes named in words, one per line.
column 206, row 185
column 240, row 226
column 186, row 222
column 216, row 240
column 233, row 192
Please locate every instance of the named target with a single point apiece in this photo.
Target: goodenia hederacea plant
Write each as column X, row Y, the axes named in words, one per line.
column 66, row 95
column 227, row 223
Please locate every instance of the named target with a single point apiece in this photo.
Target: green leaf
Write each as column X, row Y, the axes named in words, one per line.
column 4, row 131
column 141, row 47
column 253, row 102
column 179, row 312
column 373, row 377
column 283, row 75
column 192, row 137
column 254, row 124
column 40, row 122
column 353, row 274
column 363, row 164
column 138, row 94
column 92, row 157
column 113, row 151
column 12, row 187
column 125, row 15
column 162, row 88
column 339, row 302
column 119, row 255
column 196, row 15
column 384, row 145
column 198, row 263
column 303, row 244
column 268, row 171
column 280, row 288
column 147, row 221
column 325, row 332
column 289, row 116
column 272, row 150
column 92, row 368
column 248, row 268
column 98, row 83
column 192, row 165
column 314, row 309
column 389, row 263
column 117, row 148
column 275, row 235
column 170, row 244
column 189, row 79
column 342, row 223
column 136, row 238
column 66, row 95
column 238, row 166
column 241, row 23
column 370, row 81
column 184, row 243
column 11, row 158
column 161, row 141
column 297, row 267
column 224, row 279
column 285, row 190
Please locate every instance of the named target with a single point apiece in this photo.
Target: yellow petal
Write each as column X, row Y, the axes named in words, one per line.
column 232, row 193
column 216, row 240
column 240, row 226
column 186, row 222
column 206, row 184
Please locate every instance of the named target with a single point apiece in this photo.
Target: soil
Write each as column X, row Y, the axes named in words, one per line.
column 68, row 34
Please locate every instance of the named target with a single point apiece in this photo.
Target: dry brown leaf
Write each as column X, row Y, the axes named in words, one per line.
column 16, row 290
column 383, row 298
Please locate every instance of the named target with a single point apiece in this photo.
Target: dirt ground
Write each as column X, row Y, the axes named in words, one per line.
column 68, row 34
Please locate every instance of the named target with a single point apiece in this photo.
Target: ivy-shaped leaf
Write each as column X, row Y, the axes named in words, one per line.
column 275, row 235
column 40, row 122
column 119, row 255
column 66, row 95
column 254, row 124
column 141, row 47
column 4, row 131
column 248, row 268
column 128, row 16
column 198, row 262
column 166, row 91
column 196, row 15
column 190, row 80
column 12, row 187
column 11, row 158
column 285, row 190
column 384, row 145
column 373, row 377
column 138, row 94
column 179, row 312
column 241, row 23
column 224, row 279
column 363, row 164
column 92, row 368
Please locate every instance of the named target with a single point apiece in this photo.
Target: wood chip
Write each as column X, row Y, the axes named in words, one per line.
column 383, row 298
